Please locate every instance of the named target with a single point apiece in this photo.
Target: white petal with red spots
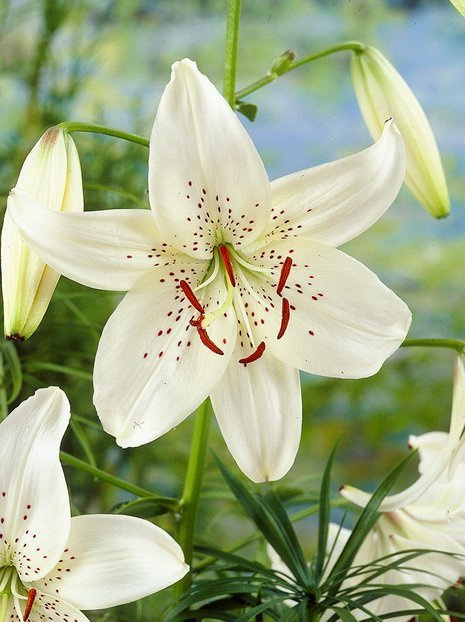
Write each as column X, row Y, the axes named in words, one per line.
column 108, row 249
column 207, row 182
column 34, row 506
column 259, row 410
column 110, row 560
column 335, row 202
column 151, row 369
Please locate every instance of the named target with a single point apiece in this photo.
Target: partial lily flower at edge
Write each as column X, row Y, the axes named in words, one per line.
column 427, row 515
column 52, row 565
column 51, row 174
column 234, row 283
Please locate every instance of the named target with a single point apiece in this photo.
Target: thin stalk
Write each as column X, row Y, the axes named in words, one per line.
column 354, row 46
column 106, row 477
column 452, row 344
column 230, row 63
column 191, row 494
column 76, row 126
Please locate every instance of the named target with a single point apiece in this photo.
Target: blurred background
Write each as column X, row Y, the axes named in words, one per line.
column 107, row 62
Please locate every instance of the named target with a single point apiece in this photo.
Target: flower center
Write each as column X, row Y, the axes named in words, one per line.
column 12, row 591
column 229, row 261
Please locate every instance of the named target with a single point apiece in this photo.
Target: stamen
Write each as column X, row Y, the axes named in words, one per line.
column 205, row 339
column 31, row 595
column 224, row 252
column 286, row 314
column 212, row 276
column 255, row 355
column 198, row 321
column 285, row 270
column 191, row 297
column 250, row 266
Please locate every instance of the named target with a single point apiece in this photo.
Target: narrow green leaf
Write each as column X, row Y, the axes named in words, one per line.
column 344, row 614
column 147, row 507
column 279, row 515
column 82, row 440
column 324, row 518
column 367, row 519
column 267, row 525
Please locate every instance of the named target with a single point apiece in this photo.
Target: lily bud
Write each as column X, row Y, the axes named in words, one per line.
column 459, row 5
column 382, row 93
column 51, row 174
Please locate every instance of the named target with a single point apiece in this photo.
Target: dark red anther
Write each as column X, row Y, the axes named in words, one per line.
column 286, row 314
column 285, row 270
column 255, row 355
column 31, row 595
column 191, row 297
column 227, row 263
column 198, row 321
column 205, row 339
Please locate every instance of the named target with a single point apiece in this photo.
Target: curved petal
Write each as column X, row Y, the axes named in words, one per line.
column 108, row 249
column 34, row 506
column 259, row 410
column 206, row 178
column 434, row 470
column 337, row 201
column 111, row 560
column 151, row 368
column 343, row 322
column 53, row 608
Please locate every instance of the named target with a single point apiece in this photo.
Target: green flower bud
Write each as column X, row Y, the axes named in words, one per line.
column 382, row 93
column 50, row 174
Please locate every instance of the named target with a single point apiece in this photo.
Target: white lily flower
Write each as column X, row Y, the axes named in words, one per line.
column 382, row 93
column 234, row 283
column 52, row 565
column 50, row 174
column 427, row 515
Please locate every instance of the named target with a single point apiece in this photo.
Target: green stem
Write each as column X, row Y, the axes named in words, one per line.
column 3, row 395
column 76, row 126
column 230, row 63
column 105, row 477
column 191, row 493
column 354, row 46
column 452, row 344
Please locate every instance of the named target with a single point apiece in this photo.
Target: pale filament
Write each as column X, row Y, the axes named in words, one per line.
column 248, row 265
column 212, row 276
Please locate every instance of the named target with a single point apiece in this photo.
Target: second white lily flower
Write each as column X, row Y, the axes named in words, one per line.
column 234, row 282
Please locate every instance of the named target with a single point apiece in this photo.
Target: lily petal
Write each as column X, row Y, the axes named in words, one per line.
column 52, row 608
column 437, row 466
column 34, row 506
column 343, row 321
column 338, row 201
column 108, row 249
column 111, row 560
column 258, row 407
column 205, row 175
column 152, row 369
